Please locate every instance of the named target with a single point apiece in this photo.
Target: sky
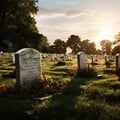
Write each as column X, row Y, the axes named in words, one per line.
column 95, row 20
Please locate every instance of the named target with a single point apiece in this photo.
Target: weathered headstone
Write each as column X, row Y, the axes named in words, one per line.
column 96, row 57
column 52, row 57
column 82, row 64
column 93, row 59
column 13, row 58
column 64, row 57
column 117, row 62
column 28, row 67
column 107, row 61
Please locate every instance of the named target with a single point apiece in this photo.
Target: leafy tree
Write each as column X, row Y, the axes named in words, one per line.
column 45, row 46
column 117, row 38
column 88, row 47
column 59, row 46
column 116, row 50
column 17, row 24
column 52, row 49
column 74, row 43
column 98, row 51
column 116, row 42
column 106, row 46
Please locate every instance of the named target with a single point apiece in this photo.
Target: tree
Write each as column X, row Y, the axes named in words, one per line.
column 17, row 24
column 117, row 38
column 106, row 46
column 99, row 52
column 59, row 46
column 88, row 47
column 74, row 43
column 44, row 45
column 116, row 50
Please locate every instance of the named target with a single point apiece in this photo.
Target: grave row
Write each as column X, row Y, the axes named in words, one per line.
column 28, row 64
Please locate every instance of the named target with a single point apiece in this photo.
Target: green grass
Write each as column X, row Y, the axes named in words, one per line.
column 81, row 98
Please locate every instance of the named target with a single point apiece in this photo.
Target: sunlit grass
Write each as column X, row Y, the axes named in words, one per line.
column 80, row 98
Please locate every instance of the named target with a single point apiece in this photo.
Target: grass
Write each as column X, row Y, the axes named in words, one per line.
column 81, row 98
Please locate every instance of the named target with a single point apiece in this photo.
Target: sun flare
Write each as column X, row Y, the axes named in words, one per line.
column 106, row 33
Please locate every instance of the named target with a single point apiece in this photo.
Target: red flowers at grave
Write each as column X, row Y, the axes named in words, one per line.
column 3, row 87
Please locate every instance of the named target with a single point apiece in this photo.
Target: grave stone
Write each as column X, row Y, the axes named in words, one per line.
column 28, row 67
column 93, row 59
column 13, row 58
column 96, row 58
column 117, row 62
column 82, row 64
column 52, row 57
column 64, row 57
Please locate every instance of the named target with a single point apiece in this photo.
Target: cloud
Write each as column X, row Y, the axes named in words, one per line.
column 69, row 3
column 61, row 12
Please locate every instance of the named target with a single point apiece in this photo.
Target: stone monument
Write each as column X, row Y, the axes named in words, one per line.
column 28, row 67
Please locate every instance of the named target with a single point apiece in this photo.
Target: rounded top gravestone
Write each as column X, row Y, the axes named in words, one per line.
column 81, row 60
column 28, row 67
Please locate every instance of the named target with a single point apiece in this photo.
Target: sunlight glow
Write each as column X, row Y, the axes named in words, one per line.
column 106, row 33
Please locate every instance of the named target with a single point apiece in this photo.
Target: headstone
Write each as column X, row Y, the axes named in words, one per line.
column 64, row 57
column 52, row 57
column 13, row 58
column 82, row 64
column 117, row 62
column 44, row 55
column 106, row 59
column 93, row 59
column 28, row 67
column 96, row 58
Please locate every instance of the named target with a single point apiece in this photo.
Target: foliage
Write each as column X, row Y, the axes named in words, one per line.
column 74, row 43
column 44, row 86
column 58, row 46
column 88, row 47
column 87, row 72
column 106, row 46
column 18, row 26
column 117, row 38
column 59, row 63
column 116, row 50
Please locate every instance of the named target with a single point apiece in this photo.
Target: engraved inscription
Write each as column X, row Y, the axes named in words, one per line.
column 29, row 66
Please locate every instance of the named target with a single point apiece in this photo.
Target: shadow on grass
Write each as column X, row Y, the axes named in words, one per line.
column 61, row 107
column 74, row 105
column 14, row 109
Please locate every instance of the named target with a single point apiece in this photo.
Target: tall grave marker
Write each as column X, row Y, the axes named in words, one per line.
column 28, row 67
column 117, row 62
column 82, row 64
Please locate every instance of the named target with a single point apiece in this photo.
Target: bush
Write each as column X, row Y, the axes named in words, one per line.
column 88, row 73
column 45, row 86
column 61, row 63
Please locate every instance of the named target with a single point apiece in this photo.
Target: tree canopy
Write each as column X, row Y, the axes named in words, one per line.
column 74, row 43
column 17, row 24
column 59, row 46
column 117, row 38
column 88, row 47
column 106, row 46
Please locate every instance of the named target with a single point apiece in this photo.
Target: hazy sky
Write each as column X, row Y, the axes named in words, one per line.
column 95, row 20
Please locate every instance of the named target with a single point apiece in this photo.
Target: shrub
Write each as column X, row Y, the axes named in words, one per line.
column 60, row 63
column 88, row 73
column 44, row 86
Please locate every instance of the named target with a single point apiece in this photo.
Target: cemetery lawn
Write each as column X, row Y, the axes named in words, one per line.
column 72, row 97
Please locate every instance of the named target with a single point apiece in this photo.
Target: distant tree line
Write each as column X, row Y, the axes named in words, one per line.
column 18, row 30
